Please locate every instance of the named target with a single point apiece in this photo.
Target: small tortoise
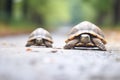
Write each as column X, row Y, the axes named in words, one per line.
column 40, row 37
column 86, row 34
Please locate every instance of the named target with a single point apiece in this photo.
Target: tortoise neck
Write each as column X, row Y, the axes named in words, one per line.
column 85, row 38
column 39, row 41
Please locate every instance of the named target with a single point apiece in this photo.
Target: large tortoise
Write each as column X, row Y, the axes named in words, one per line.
column 40, row 37
column 86, row 34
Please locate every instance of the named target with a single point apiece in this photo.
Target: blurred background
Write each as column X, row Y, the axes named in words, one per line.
column 22, row 16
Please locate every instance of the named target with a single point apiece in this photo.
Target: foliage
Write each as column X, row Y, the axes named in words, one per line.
column 50, row 13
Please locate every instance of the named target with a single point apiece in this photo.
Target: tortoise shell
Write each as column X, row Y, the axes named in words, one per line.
column 40, row 32
column 88, row 28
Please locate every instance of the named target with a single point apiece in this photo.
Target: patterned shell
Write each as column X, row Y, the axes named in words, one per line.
column 86, row 27
column 40, row 32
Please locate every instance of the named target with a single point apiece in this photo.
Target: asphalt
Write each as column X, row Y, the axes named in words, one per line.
column 18, row 62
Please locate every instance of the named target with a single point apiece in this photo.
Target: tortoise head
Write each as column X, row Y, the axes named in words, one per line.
column 85, row 38
column 39, row 41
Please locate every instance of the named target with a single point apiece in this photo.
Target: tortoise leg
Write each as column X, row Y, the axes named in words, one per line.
column 79, row 44
column 48, row 44
column 71, row 44
column 90, row 44
column 99, row 44
column 29, row 44
column 84, row 45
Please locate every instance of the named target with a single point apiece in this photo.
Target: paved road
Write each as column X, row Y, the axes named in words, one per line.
column 20, row 63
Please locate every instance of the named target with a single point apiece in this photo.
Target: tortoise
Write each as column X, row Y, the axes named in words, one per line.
column 86, row 34
column 40, row 37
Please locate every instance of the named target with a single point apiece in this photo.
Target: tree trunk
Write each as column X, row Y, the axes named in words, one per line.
column 100, row 18
column 116, row 12
column 9, row 8
column 5, row 10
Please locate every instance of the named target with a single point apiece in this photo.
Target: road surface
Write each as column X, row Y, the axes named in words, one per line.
column 35, row 63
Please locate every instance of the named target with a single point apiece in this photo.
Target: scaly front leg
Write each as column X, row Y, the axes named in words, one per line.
column 71, row 44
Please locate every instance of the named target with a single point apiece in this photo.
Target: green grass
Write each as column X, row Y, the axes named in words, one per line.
column 15, row 28
column 22, row 27
column 117, row 28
